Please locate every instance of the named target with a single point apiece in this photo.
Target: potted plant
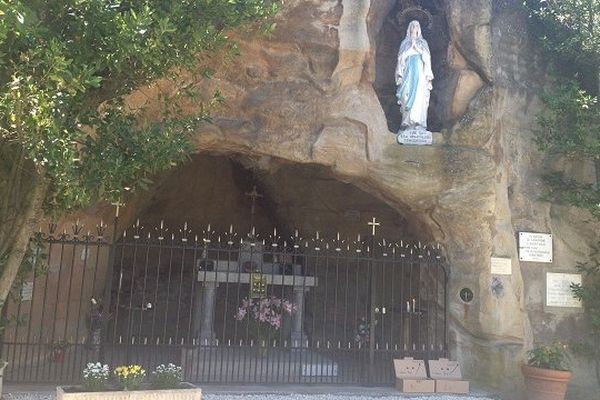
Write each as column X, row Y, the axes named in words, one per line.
column 130, row 384
column 547, row 372
column 130, row 377
column 167, row 376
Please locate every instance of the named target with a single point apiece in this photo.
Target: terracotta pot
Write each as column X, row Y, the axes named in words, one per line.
column 545, row 384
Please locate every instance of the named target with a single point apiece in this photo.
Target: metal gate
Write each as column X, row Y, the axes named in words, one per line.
column 252, row 308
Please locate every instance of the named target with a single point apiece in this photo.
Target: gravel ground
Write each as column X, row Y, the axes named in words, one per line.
column 266, row 392
column 293, row 396
column 332, row 397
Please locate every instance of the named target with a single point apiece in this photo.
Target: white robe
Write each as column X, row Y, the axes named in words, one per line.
column 417, row 114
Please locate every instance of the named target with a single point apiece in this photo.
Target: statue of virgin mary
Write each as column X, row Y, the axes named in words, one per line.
column 413, row 78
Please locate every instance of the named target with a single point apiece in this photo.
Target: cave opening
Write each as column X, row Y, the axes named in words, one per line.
column 241, row 301
column 237, row 232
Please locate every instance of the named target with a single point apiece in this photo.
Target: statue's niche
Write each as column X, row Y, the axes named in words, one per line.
column 431, row 14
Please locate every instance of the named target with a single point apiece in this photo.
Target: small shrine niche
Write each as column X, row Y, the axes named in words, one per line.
column 432, row 18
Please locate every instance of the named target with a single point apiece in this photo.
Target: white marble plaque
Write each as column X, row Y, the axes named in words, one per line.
column 27, row 291
column 535, row 247
column 419, row 137
column 558, row 290
column 501, row 266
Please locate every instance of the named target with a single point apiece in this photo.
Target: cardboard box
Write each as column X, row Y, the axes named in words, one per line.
column 411, row 376
column 448, row 377
column 415, row 385
column 449, row 386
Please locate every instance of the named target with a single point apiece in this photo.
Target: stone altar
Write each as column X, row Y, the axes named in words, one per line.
column 225, row 271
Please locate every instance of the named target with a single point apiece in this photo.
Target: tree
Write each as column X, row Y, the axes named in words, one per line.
column 570, row 126
column 590, row 295
column 67, row 137
column 569, row 31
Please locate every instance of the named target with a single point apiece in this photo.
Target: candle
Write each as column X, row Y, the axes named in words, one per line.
column 414, row 308
column 408, row 306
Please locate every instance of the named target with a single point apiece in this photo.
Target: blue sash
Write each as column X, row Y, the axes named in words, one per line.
column 407, row 92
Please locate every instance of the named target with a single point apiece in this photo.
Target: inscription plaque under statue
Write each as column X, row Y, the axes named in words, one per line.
column 415, row 136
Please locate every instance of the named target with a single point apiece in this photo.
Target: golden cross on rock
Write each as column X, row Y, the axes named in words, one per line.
column 374, row 224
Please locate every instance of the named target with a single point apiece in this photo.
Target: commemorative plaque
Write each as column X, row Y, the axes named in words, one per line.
column 535, row 247
column 558, row 290
column 501, row 266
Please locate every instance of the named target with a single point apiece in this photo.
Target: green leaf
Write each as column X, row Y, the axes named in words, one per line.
column 65, row 76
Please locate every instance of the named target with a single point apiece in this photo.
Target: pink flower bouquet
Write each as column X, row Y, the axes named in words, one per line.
column 264, row 317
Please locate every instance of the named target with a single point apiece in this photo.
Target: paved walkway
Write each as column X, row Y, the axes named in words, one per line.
column 305, row 392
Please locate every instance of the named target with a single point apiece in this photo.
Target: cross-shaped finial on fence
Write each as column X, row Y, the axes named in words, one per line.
column 374, row 224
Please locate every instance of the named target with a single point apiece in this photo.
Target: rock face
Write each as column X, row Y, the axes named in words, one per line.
column 320, row 91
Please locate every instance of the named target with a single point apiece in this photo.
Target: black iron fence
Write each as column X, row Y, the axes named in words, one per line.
column 275, row 308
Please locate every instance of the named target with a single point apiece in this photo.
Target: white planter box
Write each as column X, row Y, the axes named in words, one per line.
column 3, row 365
column 186, row 392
